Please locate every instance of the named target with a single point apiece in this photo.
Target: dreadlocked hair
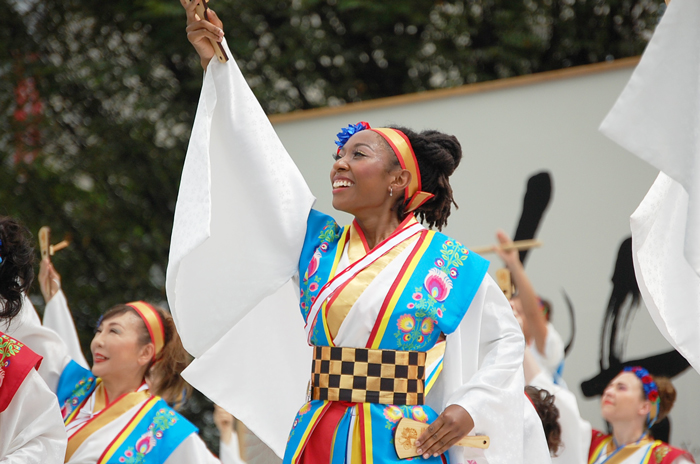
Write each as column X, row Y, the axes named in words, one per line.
column 438, row 155
column 549, row 415
column 163, row 376
column 17, row 267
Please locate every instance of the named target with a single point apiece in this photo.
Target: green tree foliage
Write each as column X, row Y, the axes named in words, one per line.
column 97, row 99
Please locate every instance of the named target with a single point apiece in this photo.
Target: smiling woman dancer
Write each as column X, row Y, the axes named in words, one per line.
column 31, row 431
column 110, row 413
column 404, row 321
column 632, row 403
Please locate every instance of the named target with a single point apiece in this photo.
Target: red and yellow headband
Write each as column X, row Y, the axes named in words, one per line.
column 153, row 322
column 414, row 197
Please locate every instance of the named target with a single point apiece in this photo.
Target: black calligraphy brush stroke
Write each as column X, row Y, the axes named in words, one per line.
column 535, row 203
column 618, row 315
column 572, row 322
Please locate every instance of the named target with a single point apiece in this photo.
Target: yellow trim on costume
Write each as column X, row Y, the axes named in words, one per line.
column 647, row 456
column 124, row 434
column 437, row 352
column 100, row 398
column 400, row 288
column 599, row 449
column 307, row 432
column 114, row 411
column 153, row 322
column 367, row 431
column 348, row 296
column 321, row 317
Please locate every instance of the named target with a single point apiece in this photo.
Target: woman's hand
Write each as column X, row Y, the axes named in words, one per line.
column 450, row 426
column 201, row 30
column 224, row 422
column 511, row 258
column 49, row 280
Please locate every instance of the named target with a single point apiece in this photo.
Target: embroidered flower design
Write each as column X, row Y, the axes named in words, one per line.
column 146, row 443
column 393, row 413
column 313, row 265
column 419, row 414
column 313, row 287
column 427, row 326
column 437, row 284
column 417, row 296
column 406, row 323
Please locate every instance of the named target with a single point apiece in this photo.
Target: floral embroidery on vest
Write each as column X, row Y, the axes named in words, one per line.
column 427, row 308
column 660, row 453
column 8, row 348
column 329, row 234
column 162, row 421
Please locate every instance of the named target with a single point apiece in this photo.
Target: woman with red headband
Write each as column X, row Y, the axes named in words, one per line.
column 403, row 321
column 111, row 415
column 632, row 402
column 31, row 431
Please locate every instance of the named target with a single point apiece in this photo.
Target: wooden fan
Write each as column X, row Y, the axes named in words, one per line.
column 408, row 431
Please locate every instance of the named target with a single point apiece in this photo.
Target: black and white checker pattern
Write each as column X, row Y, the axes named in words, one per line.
column 362, row 375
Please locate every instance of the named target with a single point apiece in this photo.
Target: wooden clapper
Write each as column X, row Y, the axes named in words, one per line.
column 48, row 250
column 408, row 431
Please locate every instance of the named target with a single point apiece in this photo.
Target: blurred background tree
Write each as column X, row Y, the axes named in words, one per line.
column 97, row 100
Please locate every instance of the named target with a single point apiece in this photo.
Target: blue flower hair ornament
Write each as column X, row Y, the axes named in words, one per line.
column 651, row 391
column 345, row 133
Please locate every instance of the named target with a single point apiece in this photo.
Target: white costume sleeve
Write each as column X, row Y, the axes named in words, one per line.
column 57, row 317
column 192, row 450
column 575, row 432
column 31, row 428
column 27, row 328
column 229, row 453
column 241, row 210
column 483, row 373
column 656, row 118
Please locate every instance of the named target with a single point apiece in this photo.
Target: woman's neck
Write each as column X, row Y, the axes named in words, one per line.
column 627, row 433
column 114, row 388
column 377, row 228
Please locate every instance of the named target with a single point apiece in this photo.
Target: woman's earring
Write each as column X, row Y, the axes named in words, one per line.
column 391, row 192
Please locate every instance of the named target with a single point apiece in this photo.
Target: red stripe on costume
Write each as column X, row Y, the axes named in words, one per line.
column 393, row 287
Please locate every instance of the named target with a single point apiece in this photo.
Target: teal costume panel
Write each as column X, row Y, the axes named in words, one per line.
column 434, row 300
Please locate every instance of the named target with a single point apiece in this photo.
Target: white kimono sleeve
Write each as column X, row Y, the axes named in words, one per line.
column 240, row 217
column 656, row 118
column 575, row 431
column 483, row 373
column 31, row 428
column 27, row 328
column 192, row 450
column 57, row 317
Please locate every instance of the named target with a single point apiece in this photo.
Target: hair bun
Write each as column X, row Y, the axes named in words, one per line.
column 450, row 150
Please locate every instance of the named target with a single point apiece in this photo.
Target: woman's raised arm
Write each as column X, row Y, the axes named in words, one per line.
column 200, row 31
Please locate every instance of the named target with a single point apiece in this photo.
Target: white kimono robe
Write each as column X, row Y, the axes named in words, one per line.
column 239, row 227
column 49, row 345
column 31, row 428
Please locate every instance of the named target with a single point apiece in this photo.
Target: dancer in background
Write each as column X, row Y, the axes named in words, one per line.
column 31, row 430
column 632, row 402
column 422, row 331
column 541, row 337
column 111, row 414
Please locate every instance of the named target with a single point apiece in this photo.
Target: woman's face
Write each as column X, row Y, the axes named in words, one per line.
column 117, row 350
column 362, row 174
column 623, row 400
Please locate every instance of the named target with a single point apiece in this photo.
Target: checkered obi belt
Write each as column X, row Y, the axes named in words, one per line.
column 361, row 375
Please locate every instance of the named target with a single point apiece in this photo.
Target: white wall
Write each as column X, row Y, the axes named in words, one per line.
column 507, row 134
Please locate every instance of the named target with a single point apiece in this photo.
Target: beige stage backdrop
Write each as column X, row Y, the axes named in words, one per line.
column 510, row 129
